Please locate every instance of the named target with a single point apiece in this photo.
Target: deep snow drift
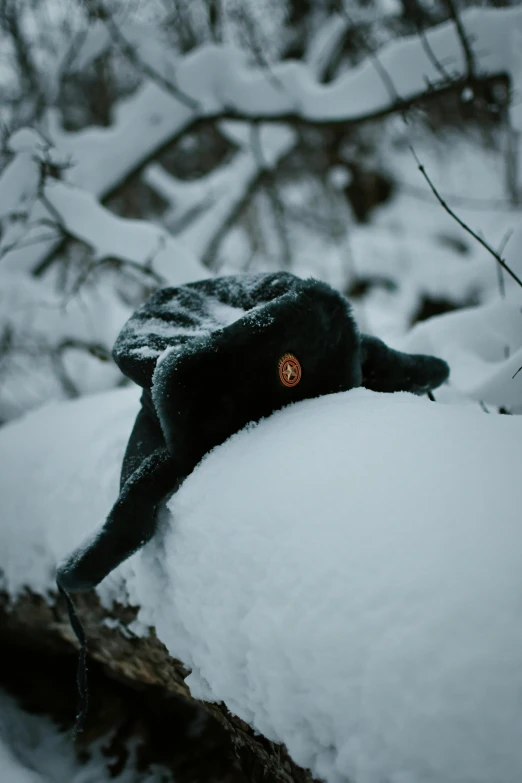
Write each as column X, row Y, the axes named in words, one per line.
column 346, row 575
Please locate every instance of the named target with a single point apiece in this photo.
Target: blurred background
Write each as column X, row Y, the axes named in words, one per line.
column 339, row 197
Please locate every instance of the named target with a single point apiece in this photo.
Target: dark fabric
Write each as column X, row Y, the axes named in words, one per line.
column 228, row 377
column 130, row 524
column 176, row 316
column 145, row 438
column 387, row 370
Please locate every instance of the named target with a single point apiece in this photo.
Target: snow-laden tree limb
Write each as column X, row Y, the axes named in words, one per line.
column 225, row 87
column 35, row 199
column 80, row 215
column 202, row 210
column 220, row 79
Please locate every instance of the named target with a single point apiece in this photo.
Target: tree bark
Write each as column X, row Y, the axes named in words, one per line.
column 142, row 661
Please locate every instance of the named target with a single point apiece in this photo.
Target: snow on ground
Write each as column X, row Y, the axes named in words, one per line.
column 416, row 244
column 33, row 750
column 346, row 575
column 482, row 345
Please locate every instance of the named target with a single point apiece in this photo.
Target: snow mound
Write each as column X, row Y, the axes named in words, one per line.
column 346, row 575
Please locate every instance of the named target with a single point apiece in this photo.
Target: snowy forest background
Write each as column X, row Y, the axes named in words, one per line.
column 153, row 143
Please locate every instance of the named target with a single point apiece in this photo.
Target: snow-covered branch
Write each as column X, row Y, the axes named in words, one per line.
column 464, row 39
column 225, row 87
column 202, row 211
column 199, row 209
column 221, row 81
column 31, row 198
column 80, row 215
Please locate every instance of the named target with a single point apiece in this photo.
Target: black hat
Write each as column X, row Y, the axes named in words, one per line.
column 213, row 356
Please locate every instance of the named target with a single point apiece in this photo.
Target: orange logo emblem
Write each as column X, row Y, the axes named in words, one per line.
column 289, row 370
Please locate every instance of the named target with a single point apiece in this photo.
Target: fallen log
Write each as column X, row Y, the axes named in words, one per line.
column 39, row 624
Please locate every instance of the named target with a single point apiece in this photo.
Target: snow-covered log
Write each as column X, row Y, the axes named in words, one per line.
column 344, row 577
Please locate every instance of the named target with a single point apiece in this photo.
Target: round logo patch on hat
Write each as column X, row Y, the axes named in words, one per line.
column 289, row 370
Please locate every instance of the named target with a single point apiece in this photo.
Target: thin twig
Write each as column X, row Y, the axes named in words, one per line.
column 91, row 267
column 51, row 208
column 144, row 268
column 215, row 18
column 501, row 285
column 131, row 54
column 97, row 350
column 274, row 197
column 467, row 202
column 461, row 223
column 257, row 50
column 381, row 70
column 414, row 12
column 10, row 22
column 468, row 54
column 432, row 57
column 19, row 244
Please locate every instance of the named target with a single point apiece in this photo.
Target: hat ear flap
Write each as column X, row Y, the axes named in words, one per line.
column 387, row 370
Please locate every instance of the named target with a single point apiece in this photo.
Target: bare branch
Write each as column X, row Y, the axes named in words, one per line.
column 215, row 17
column 501, row 285
column 19, row 244
column 467, row 202
column 461, row 223
column 466, row 46
column 131, row 54
column 370, row 51
column 276, row 202
column 432, row 56
column 97, row 350
column 68, row 385
column 347, row 114
column 415, row 14
column 257, row 49
column 10, row 23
